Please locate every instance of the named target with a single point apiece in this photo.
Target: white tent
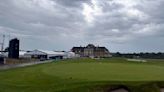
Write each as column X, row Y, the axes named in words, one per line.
column 70, row 54
column 35, row 52
column 0, row 54
column 4, row 54
column 48, row 54
column 22, row 54
column 51, row 54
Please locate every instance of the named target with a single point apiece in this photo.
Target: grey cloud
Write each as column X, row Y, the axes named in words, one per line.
column 72, row 3
column 65, row 23
column 120, row 20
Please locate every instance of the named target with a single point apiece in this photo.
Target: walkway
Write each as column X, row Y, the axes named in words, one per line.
column 4, row 67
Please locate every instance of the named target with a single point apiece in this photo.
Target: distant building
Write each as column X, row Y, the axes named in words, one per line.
column 14, row 48
column 70, row 54
column 91, row 51
column 1, row 59
column 44, row 54
column 22, row 54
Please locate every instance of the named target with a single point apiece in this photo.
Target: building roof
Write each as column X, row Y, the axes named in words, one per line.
column 89, row 46
column 53, row 52
column 35, row 52
column 77, row 47
column 45, row 52
column 22, row 52
column 48, row 52
column 0, row 54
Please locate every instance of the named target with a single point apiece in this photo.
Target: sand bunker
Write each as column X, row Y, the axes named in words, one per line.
column 120, row 90
column 137, row 60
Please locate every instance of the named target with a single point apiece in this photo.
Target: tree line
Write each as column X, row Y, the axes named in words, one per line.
column 146, row 55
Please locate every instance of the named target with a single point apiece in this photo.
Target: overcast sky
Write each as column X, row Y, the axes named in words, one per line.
column 119, row 25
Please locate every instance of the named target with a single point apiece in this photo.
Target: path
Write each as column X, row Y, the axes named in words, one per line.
column 4, row 67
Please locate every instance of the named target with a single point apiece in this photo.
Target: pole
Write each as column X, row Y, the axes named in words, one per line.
column 3, row 43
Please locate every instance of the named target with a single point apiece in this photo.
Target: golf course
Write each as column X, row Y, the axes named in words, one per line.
column 85, row 75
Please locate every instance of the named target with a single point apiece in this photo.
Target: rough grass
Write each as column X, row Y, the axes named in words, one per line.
column 84, row 75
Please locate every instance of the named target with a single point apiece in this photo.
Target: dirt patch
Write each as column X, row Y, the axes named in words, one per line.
column 120, row 90
column 138, row 87
column 162, row 89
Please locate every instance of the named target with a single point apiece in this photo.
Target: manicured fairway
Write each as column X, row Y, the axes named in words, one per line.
column 106, row 71
column 79, row 75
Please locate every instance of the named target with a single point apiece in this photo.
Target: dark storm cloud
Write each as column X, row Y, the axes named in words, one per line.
column 117, row 24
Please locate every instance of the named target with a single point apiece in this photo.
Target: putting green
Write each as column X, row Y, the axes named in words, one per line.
column 97, row 71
